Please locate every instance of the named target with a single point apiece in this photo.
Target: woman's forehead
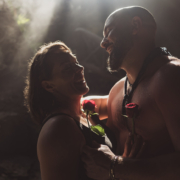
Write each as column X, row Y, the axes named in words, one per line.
column 64, row 58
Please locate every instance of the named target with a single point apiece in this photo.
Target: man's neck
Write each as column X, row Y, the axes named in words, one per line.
column 134, row 60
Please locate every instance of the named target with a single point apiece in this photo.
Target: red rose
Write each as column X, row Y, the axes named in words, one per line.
column 131, row 110
column 89, row 105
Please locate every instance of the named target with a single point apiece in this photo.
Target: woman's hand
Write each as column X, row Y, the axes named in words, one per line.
column 98, row 159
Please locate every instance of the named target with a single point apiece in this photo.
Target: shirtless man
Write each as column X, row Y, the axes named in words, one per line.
column 129, row 37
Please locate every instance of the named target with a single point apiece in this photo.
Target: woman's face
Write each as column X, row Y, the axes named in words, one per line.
column 68, row 77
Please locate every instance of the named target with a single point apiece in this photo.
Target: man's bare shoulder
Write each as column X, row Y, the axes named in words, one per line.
column 169, row 70
column 167, row 77
column 117, row 88
column 166, row 88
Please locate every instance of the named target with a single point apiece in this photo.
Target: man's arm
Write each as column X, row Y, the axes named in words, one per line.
column 164, row 167
column 167, row 96
column 101, row 102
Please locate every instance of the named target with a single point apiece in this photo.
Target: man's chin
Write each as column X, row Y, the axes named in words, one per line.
column 112, row 65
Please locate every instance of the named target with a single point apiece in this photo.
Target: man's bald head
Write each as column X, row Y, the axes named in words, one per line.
column 125, row 15
column 126, row 30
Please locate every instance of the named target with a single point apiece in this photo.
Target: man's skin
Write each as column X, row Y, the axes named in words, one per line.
column 158, row 97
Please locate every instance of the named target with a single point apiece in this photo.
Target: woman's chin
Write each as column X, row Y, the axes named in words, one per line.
column 81, row 89
column 84, row 90
column 87, row 90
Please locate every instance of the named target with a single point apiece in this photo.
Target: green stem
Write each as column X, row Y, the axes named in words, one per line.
column 89, row 128
column 133, row 130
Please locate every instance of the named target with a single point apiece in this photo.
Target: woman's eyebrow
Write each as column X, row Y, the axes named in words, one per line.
column 63, row 62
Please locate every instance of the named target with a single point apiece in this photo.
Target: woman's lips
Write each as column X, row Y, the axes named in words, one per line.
column 80, row 83
column 79, row 77
column 80, row 80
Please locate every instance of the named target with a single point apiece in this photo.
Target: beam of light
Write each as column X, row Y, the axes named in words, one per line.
column 33, row 18
column 37, row 13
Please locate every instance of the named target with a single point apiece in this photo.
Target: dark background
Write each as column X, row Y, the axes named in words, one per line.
column 27, row 24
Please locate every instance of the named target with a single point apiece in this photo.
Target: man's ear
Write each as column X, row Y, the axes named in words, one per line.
column 136, row 24
column 48, row 86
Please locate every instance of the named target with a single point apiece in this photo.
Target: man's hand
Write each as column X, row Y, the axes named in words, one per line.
column 98, row 160
column 133, row 150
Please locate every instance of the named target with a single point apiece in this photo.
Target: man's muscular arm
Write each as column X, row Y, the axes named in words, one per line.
column 101, row 102
column 167, row 96
column 166, row 90
column 159, row 168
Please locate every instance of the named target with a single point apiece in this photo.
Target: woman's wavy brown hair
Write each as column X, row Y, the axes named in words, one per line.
column 39, row 101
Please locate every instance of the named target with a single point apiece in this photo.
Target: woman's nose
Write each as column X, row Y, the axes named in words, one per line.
column 79, row 68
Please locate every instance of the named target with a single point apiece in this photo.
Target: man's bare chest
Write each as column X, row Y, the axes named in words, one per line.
column 149, row 122
column 147, row 113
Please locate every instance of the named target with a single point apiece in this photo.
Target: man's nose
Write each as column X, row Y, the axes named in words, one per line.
column 104, row 43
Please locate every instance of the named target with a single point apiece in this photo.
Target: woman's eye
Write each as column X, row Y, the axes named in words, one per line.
column 68, row 67
column 71, row 65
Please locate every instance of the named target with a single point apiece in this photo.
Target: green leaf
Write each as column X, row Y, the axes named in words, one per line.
column 98, row 129
column 22, row 20
column 125, row 116
column 94, row 114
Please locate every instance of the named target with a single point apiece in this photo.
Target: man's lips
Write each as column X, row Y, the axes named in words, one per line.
column 109, row 48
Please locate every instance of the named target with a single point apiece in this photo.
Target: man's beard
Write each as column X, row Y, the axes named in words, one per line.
column 115, row 60
column 120, row 50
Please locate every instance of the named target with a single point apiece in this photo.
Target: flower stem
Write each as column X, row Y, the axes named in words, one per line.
column 90, row 135
column 133, row 130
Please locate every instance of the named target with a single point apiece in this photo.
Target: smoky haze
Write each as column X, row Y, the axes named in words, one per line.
column 23, row 25
column 27, row 24
column 31, row 18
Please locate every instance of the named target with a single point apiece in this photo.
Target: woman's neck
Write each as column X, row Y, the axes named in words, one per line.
column 69, row 106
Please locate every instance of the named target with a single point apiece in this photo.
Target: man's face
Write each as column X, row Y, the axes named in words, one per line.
column 117, row 41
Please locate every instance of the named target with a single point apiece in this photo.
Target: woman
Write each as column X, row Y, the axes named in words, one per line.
column 54, row 89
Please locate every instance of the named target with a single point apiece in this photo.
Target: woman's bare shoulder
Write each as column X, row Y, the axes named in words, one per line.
column 59, row 148
column 60, row 132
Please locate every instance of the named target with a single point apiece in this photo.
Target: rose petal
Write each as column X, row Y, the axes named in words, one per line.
column 89, row 105
column 131, row 110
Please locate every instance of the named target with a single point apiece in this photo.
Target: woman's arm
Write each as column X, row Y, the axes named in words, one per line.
column 59, row 148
